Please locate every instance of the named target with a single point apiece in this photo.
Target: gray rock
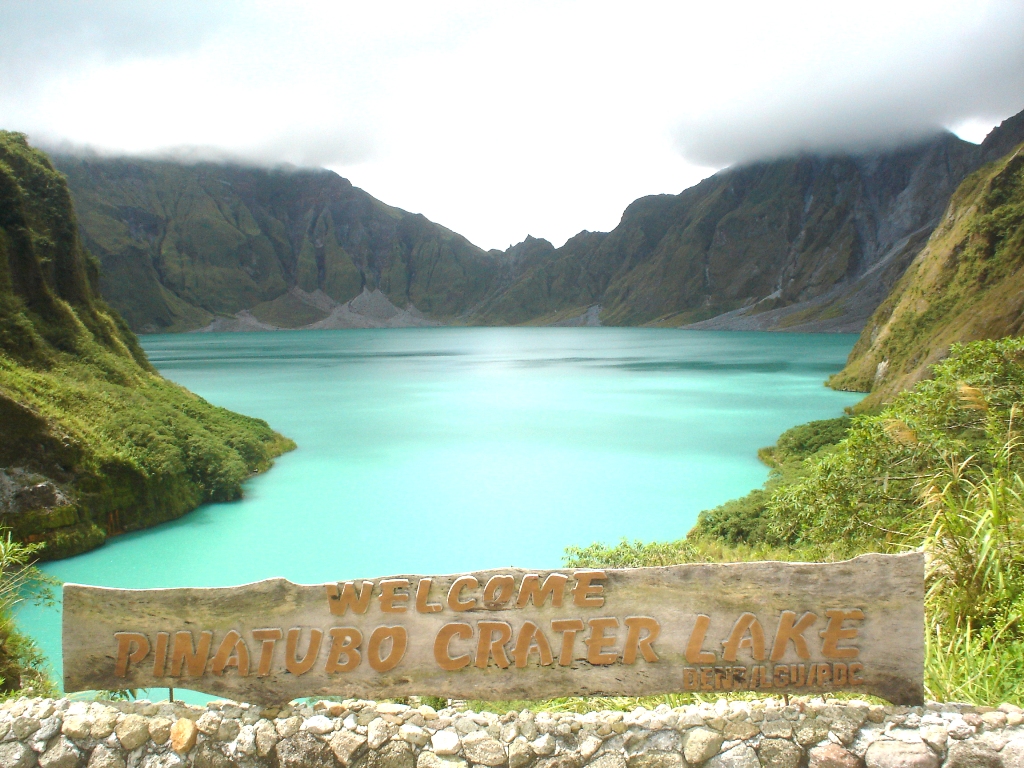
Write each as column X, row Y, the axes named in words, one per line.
column 103, row 723
column 160, row 729
column 266, row 737
column 318, row 725
column 480, row 748
column 589, row 746
column 413, row 734
column 285, row 727
column 701, row 744
column 16, row 755
column 208, row 723
column 740, row 729
column 446, row 743
column 48, row 728
column 430, row 760
column 608, row 760
column 229, row 729
column 543, row 745
column 900, row 754
column 23, row 727
column 655, row 759
column 1013, row 752
column 779, row 753
column 61, row 754
column 974, row 754
column 132, row 731
column 347, row 746
column 165, row 760
column 741, row 756
column 208, row 756
column 520, row 754
column 394, row 754
column 777, row 729
column 832, row 756
column 811, row 731
column 570, row 760
column 105, row 757
column 845, row 730
column 379, row 732
column 936, row 737
column 303, row 750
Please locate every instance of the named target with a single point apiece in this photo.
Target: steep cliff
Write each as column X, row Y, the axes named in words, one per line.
column 812, row 243
column 966, row 284
column 181, row 244
column 92, row 440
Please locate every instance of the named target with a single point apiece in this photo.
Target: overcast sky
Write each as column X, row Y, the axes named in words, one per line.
column 500, row 120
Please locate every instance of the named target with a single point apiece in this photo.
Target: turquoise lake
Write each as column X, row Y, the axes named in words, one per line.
column 439, row 450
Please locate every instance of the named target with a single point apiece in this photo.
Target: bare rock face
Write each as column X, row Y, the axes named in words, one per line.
column 832, row 756
column 304, row 750
column 16, row 755
column 899, row 754
column 779, row 753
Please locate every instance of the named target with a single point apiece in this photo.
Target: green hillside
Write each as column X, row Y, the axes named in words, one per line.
column 92, row 440
column 811, row 243
column 182, row 243
column 940, row 467
column 966, row 284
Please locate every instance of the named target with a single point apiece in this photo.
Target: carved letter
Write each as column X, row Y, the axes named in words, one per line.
column 554, row 587
column 389, row 597
column 789, row 631
column 531, row 637
column 498, row 591
column 455, row 601
column 344, row 642
column 596, row 641
column 399, row 639
column 340, row 599
column 694, row 654
column 645, row 644
column 131, row 647
column 233, row 652
column 268, row 638
column 493, row 636
column 442, row 654
column 568, row 628
column 163, row 640
column 585, row 593
column 834, row 632
column 747, row 623
column 292, row 662
column 192, row 657
column 422, row 595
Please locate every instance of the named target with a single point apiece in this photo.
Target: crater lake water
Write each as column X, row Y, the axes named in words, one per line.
column 447, row 449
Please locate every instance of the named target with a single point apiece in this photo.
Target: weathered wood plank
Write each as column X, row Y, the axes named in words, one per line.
column 775, row 627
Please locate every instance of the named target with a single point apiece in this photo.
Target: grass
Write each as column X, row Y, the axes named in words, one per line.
column 941, row 469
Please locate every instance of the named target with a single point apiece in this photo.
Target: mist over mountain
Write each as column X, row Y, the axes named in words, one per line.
column 810, row 243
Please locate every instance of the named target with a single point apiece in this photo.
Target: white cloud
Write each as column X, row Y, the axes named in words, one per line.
column 503, row 120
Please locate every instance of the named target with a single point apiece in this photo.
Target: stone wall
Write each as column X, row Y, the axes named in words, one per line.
column 362, row 734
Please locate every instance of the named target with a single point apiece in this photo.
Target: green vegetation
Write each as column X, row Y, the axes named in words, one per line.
column 941, row 467
column 966, row 284
column 22, row 666
column 92, row 440
column 182, row 243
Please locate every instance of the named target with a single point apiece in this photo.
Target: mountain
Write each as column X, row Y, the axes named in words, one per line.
column 966, row 284
column 808, row 243
column 182, row 245
column 92, row 440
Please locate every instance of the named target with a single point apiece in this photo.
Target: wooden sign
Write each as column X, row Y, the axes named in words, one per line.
column 773, row 627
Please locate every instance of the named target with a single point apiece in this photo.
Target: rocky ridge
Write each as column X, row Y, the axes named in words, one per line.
column 363, row 734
